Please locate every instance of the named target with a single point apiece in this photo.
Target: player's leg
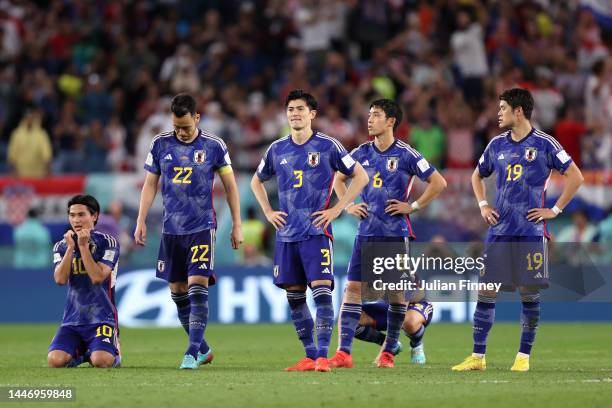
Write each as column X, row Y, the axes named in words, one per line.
column 396, row 312
column 532, row 265
column 289, row 275
column 63, row 351
column 350, row 311
column 317, row 258
column 102, row 342
column 417, row 319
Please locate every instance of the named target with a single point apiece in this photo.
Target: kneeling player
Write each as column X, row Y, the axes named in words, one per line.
column 86, row 260
column 373, row 321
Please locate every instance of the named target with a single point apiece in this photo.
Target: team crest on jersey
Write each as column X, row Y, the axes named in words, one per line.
column 199, row 156
column 530, row 153
column 161, row 265
column 314, row 158
column 392, row 163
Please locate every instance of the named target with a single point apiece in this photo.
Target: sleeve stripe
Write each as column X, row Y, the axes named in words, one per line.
column 275, row 142
column 164, row 134
column 210, row 136
column 337, row 143
column 495, row 138
column 551, row 139
column 409, row 148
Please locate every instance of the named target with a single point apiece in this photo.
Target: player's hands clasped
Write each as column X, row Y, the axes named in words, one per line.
column 396, row 207
column 539, row 214
column 359, row 210
column 325, row 217
column 68, row 236
column 276, row 218
column 236, row 237
column 83, row 237
column 489, row 214
column 140, row 234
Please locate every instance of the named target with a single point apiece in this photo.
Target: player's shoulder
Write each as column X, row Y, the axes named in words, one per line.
column 162, row 137
column 105, row 240
column 407, row 150
column 59, row 245
column 213, row 139
column 497, row 140
column 328, row 140
column 546, row 140
column 363, row 148
column 279, row 143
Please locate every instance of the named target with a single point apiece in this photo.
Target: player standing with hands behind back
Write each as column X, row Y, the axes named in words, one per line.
column 516, row 244
column 186, row 160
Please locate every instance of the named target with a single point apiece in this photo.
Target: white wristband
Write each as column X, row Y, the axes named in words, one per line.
column 483, row 203
column 556, row 210
column 415, row 206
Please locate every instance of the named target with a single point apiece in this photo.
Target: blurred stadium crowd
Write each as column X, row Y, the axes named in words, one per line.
column 85, row 85
column 92, row 79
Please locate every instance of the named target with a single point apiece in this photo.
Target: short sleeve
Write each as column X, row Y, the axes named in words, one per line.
column 107, row 251
column 341, row 160
column 265, row 170
column 222, row 162
column 557, row 157
column 418, row 165
column 152, row 162
column 59, row 249
column 485, row 164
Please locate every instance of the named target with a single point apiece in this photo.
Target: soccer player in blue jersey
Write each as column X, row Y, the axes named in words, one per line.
column 304, row 164
column 86, row 260
column 186, row 160
column 523, row 159
column 384, row 213
column 373, row 322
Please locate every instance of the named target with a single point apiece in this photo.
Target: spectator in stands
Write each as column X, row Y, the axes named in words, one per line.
column 581, row 231
column 254, row 233
column 32, row 243
column 29, row 150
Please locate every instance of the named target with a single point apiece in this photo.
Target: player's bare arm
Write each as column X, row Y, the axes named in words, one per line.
column 488, row 213
column 435, row 184
column 149, row 190
column 359, row 180
column 97, row 271
column 573, row 181
column 359, row 210
column 276, row 218
column 61, row 275
column 233, row 200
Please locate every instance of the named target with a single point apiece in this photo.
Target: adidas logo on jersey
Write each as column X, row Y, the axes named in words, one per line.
column 284, row 161
column 106, row 340
column 500, row 157
column 326, row 271
column 538, row 275
column 168, row 157
column 366, row 163
column 203, row 266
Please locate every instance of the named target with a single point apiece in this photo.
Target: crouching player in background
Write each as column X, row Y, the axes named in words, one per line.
column 373, row 321
column 86, row 260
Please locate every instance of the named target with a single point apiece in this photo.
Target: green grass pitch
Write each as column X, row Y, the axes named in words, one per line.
column 571, row 366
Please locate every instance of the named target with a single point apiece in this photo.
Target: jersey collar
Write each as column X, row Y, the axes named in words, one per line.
column 388, row 148
column 190, row 143
column 314, row 133
column 511, row 140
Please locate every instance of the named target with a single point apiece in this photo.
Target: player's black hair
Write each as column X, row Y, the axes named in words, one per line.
column 391, row 109
column 516, row 97
column 310, row 100
column 182, row 104
column 88, row 201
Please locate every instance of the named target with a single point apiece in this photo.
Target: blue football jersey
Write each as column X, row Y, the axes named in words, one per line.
column 187, row 172
column 522, row 172
column 391, row 176
column 87, row 303
column 305, row 175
